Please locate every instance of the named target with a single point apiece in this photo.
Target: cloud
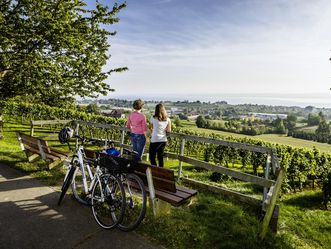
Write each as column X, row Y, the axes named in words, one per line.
column 224, row 46
column 162, row 1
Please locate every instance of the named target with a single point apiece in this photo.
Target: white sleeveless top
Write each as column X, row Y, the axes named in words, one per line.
column 159, row 130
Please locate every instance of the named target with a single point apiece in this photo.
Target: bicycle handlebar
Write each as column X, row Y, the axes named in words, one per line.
column 100, row 142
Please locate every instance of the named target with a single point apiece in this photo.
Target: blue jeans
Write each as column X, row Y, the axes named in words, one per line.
column 138, row 144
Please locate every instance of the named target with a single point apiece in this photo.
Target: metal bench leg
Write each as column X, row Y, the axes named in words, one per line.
column 55, row 163
column 33, row 157
column 153, row 200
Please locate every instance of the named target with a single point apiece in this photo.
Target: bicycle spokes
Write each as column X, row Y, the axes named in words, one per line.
column 108, row 202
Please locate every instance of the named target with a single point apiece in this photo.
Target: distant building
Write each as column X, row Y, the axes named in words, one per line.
column 115, row 113
column 221, row 102
column 192, row 117
column 266, row 116
column 174, row 111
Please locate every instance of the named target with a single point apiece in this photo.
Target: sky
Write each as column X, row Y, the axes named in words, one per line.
column 222, row 47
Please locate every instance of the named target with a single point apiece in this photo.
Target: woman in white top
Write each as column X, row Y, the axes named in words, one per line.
column 160, row 125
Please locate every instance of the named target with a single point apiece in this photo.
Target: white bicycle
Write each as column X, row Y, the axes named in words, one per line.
column 99, row 188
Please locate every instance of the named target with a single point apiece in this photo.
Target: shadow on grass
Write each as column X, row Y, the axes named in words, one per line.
column 309, row 200
column 38, row 169
column 209, row 221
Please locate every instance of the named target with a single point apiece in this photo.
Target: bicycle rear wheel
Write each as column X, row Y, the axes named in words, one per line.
column 77, row 185
column 108, row 201
column 66, row 183
column 136, row 199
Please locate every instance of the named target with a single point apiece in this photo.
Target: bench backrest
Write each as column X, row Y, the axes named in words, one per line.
column 90, row 154
column 32, row 142
column 163, row 179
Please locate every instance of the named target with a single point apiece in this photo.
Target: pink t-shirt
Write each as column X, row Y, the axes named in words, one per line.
column 137, row 123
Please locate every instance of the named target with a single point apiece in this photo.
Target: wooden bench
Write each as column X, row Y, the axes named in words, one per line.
column 163, row 184
column 38, row 148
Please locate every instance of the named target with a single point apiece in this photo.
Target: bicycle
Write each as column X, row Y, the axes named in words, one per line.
column 102, row 190
column 135, row 193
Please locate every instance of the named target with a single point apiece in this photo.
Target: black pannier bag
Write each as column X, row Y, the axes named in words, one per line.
column 117, row 164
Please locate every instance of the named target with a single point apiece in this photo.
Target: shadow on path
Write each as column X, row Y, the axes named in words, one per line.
column 31, row 218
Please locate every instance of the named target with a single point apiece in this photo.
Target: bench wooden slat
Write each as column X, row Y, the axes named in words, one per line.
column 170, row 197
column 162, row 194
column 186, row 190
column 183, row 194
column 29, row 145
column 33, row 142
column 39, row 146
column 167, row 196
column 26, row 137
column 175, row 199
column 53, row 157
column 90, row 154
column 166, row 184
column 34, row 150
column 48, row 155
column 159, row 183
column 156, row 171
column 58, row 153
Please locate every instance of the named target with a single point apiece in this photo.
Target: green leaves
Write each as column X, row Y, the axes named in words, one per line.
column 52, row 49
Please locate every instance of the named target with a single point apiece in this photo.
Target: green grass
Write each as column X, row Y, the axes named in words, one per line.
column 303, row 222
column 191, row 125
column 271, row 138
column 308, row 129
column 207, row 220
column 296, row 142
column 205, row 176
column 210, row 221
column 11, row 154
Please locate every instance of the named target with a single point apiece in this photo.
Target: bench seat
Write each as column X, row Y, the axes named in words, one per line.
column 164, row 184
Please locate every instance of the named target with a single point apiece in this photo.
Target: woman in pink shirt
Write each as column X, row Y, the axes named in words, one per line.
column 138, row 127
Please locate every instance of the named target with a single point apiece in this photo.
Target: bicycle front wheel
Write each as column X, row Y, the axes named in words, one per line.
column 136, row 199
column 108, row 201
column 77, row 185
column 66, row 183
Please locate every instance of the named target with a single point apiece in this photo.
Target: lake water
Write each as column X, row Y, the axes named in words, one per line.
column 302, row 100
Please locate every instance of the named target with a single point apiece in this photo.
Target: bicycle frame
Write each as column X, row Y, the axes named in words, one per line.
column 82, row 164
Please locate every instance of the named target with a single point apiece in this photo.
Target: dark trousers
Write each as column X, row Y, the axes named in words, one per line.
column 156, row 149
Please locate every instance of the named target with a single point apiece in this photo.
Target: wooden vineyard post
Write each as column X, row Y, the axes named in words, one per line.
column 122, row 141
column 31, row 128
column 266, row 176
column 77, row 134
column 270, row 204
column 1, row 128
column 181, row 153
